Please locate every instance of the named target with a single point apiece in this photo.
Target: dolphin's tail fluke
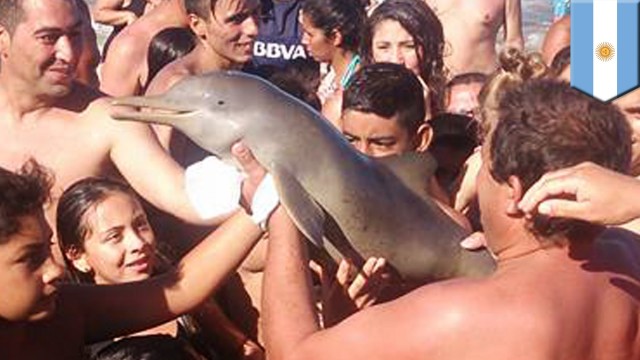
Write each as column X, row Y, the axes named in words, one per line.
column 150, row 109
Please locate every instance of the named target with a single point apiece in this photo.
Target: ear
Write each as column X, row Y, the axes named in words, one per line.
column 336, row 38
column 78, row 260
column 198, row 25
column 424, row 136
column 515, row 195
column 5, row 41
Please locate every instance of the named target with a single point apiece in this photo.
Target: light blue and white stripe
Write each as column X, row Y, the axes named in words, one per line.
column 595, row 22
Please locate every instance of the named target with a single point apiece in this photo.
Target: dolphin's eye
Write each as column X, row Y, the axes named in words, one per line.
column 220, row 102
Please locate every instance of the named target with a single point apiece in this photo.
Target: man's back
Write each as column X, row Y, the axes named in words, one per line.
column 124, row 71
column 554, row 303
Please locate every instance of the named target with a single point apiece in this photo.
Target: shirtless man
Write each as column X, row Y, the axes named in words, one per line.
column 470, row 29
column 124, row 71
column 557, row 292
column 226, row 30
column 45, row 114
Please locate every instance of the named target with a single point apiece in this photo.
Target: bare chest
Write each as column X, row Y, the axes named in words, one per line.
column 487, row 13
column 70, row 149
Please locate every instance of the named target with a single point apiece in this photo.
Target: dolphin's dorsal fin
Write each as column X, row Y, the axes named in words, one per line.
column 303, row 210
column 413, row 169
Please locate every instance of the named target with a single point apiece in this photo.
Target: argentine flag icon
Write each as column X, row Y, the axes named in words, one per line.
column 604, row 47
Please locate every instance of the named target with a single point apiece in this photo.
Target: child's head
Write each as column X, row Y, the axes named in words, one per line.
column 104, row 233
column 28, row 274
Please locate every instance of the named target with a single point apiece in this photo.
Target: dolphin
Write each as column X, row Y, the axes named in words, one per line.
column 346, row 203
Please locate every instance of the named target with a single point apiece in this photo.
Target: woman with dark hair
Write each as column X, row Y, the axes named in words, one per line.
column 166, row 46
column 105, row 238
column 408, row 32
column 331, row 34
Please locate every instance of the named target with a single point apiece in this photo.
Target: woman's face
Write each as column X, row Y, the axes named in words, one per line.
column 393, row 43
column 120, row 243
column 318, row 45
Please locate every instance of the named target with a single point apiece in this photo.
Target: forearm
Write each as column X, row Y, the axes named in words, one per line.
column 288, row 306
column 513, row 25
column 221, row 331
column 113, row 17
column 205, row 267
column 125, row 308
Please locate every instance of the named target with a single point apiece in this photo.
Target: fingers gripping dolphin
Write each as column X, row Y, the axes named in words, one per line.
column 361, row 206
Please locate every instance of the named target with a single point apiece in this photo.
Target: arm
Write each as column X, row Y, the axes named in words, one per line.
column 226, row 336
column 585, row 192
column 513, row 25
column 403, row 328
column 111, row 311
column 111, row 12
column 150, row 170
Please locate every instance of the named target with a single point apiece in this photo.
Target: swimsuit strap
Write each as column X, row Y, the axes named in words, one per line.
column 351, row 69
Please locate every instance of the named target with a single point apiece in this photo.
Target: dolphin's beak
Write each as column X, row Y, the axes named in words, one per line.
column 151, row 109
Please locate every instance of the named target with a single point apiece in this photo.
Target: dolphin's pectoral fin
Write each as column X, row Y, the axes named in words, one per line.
column 412, row 169
column 303, row 210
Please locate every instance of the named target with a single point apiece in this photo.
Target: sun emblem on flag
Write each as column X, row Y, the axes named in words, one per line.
column 605, row 51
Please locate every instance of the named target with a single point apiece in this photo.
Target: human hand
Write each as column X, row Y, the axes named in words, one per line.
column 346, row 291
column 585, row 192
column 259, row 194
column 467, row 193
column 129, row 17
column 252, row 351
column 475, row 241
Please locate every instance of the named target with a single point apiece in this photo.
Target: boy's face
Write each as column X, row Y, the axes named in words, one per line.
column 375, row 135
column 28, row 274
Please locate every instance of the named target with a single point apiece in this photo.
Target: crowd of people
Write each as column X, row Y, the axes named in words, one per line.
column 120, row 240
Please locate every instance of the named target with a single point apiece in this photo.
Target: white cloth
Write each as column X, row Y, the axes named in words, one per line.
column 213, row 187
column 265, row 200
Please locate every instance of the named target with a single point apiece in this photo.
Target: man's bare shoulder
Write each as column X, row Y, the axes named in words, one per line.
column 435, row 321
column 170, row 75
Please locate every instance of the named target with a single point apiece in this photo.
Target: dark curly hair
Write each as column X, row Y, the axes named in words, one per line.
column 22, row 193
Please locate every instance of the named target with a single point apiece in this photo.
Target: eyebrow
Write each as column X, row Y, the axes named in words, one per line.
column 76, row 25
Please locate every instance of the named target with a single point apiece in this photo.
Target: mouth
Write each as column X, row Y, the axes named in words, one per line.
column 150, row 109
column 142, row 264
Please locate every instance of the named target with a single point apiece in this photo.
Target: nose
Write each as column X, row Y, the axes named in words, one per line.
column 250, row 26
column 396, row 56
column 363, row 147
column 68, row 48
column 135, row 242
column 53, row 272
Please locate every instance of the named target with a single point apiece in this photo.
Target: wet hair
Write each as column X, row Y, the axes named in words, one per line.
column 560, row 62
column 386, row 90
column 345, row 16
column 22, row 193
column 544, row 125
column 11, row 14
column 166, row 46
column 73, row 206
column 147, row 347
column 423, row 25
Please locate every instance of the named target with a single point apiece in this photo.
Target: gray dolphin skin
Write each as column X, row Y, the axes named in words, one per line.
column 346, row 203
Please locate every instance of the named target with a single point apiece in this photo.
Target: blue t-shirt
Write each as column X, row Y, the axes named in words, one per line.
column 279, row 35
